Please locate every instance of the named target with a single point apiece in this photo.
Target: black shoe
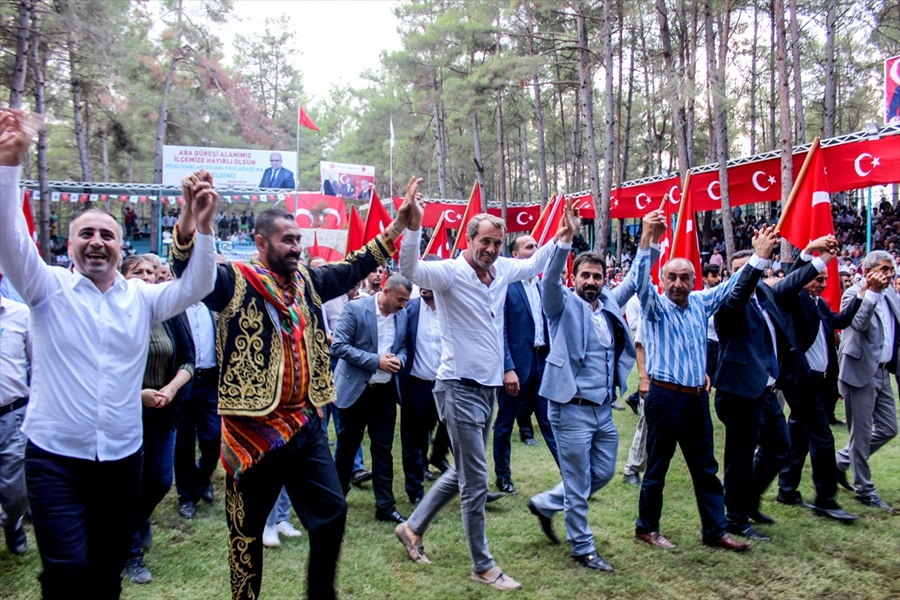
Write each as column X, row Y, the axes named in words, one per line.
column 750, row 533
column 414, row 500
column 617, row 405
column 16, row 540
column 391, row 516
column 874, row 501
column 836, row 514
column 841, row 478
column 439, row 464
column 792, row 500
column 360, row 477
column 429, row 476
column 506, row 486
column 632, row 478
column 187, row 509
column 546, row 523
column 136, row 572
column 530, row 441
column 593, row 561
column 208, row 495
column 761, row 518
column 494, row 496
column 835, row 421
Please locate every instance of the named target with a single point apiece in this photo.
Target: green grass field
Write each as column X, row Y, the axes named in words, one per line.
column 809, row 557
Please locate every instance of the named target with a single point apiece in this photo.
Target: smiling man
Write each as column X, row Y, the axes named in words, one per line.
column 91, row 338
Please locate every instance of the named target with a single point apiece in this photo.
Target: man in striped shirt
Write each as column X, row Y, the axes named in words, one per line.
column 677, row 405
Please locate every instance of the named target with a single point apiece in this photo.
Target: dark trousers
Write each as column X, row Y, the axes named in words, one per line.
column 198, row 422
column 375, row 410
column 507, row 411
column 304, row 467
column 712, row 358
column 83, row 513
column 523, row 420
column 418, row 416
column 673, row 418
column 756, row 448
column 810, row 434
column 156, row 479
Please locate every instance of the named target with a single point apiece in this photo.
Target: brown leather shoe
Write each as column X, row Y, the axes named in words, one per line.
column 728, row 543
column 655, row 538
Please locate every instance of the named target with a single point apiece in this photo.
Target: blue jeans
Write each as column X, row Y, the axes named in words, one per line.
column 83, row 519
column 13, row 494
column 587, row 440
column 675, row 418
column 159, row 454
column 282, row 509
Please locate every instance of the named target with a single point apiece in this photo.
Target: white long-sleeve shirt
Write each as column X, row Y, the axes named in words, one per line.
column 470, row 313
column 89, row 348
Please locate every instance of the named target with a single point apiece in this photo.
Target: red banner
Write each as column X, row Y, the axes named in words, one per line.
column 862, row 164
column 634, row 201
column 317, row 210
column 519, row 218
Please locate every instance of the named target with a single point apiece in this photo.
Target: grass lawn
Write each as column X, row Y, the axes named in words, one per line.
column 809, row 557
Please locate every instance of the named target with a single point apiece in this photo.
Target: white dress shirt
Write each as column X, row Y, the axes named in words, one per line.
column 600, row 325
column 428, row 344
column 203, row 332
column 15, row 350
column 889, row 325
column 387, row 327
column 470, row 313
column 90, row 348
column 537, row 310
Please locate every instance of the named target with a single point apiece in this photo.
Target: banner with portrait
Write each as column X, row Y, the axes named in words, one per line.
column 231, row 166
column 346, row 180
column 892, row 90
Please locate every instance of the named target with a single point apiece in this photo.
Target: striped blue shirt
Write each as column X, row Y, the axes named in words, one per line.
column 676, row 337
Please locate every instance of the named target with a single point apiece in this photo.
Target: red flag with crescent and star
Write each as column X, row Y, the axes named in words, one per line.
column 304, row 119
column 685, row 243
column 355, row 232
column 472, row 208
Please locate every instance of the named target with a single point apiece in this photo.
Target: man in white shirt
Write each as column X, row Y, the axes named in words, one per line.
column 91, row 332
column 15, row 361
column 470, row 293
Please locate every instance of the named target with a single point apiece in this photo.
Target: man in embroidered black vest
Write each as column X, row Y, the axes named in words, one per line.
column 274, row 375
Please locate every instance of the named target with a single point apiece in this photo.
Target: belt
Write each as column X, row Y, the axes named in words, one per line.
column 818, row 374
column 372, row 385
column 582, row 402
column 14, row 405
column 469, row 382
column 206, row 372
column 681, row 389
column 769, row 389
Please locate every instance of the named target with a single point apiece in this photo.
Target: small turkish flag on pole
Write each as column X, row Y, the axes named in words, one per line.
column 304, row 120
column 685, row 243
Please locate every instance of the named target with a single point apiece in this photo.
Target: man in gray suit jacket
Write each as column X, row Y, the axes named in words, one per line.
column 591, row 354
column 866, row 358
column 370, row 344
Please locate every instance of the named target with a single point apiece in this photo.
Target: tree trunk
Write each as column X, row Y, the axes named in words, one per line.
column 439, row 149
column 476, row 141
column 651, row 118
column 796, row 66
column 562, row 129
column 754, row 78
column 501, row 167
column 601, row 223
column 674, row 88
column 772, row 71
column 828, row 125
column 78, row 122
column 37, row 70
column 785, row 111
column 104, row 145
column 626, row 147
column 539, row 114
column 526, row 168
column 17, row 85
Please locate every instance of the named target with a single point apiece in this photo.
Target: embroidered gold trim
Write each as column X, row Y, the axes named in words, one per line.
column 239, row 560
column 176, row 250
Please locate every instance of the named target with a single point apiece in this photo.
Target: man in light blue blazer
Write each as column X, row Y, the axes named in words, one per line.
column 591, row 354
column 370, row 345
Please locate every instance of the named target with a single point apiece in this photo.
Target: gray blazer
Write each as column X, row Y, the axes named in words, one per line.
column 861, row 343
column 355, row 344
column 569, row 319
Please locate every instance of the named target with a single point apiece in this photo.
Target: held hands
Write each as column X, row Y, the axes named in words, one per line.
column 764, row 241
column 826, row 243
column 156, row 398
column 568, row 227
column 511, row 383
column 389, row 363
column 200, row 201
column 17, row 130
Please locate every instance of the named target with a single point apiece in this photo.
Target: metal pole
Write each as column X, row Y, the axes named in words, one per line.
column 869, row 221
column 297, row 181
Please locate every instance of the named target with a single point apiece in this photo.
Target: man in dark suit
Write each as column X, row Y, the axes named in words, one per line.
column 525, row 345
column 757, row 351
column 370, row 344
column 277, row 176
column 867, row 357
column 418, row 413
column 813, row 325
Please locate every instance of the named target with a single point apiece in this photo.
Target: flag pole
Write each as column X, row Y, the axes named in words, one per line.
column 297, row 180
column 541, row 216
column 799, row 179
column 684, row 189
column 437, row 228
column 392, row 160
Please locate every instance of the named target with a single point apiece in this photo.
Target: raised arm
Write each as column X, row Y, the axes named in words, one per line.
column 736, row 292
column 638, row 277
column 435, row 276
column 19, row 257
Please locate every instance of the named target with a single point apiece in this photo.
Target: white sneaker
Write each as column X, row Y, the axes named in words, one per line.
column 270, row 537
column 287, row 530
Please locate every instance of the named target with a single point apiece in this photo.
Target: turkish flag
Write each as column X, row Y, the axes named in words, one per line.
column 304, row 119
column 317, row 210
column 29, row 219
column 584, row 205
column 377, row 219
column 453, row 213
column 518, row 217
column 472, row 208
column 862, row 164
column 635, row 201
column 326, row 252
column 685, row 243
column 548, row 223
column 809, row 217
column 670, row 210
column 439, row 244
column 355, row 232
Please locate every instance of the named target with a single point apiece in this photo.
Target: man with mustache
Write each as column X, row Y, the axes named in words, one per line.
column 591, row 354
